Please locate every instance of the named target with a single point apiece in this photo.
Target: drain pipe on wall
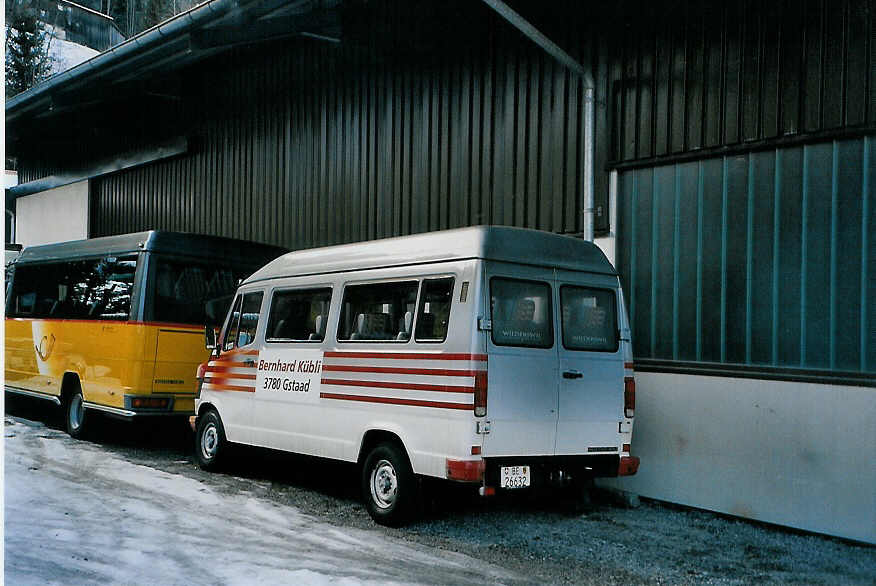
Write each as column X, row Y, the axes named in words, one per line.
column 552, row 49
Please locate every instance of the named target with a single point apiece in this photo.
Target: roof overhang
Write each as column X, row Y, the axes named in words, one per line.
column 204, row 31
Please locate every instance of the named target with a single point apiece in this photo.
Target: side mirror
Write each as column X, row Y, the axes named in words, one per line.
column 211, row 336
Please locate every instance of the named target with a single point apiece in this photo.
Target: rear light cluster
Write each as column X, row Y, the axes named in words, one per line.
column 629, row 396
column 465, row 470
column 150, row 403
column 628, row 466
column 480, row 394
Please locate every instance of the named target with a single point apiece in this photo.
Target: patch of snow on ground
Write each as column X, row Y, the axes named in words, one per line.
column 76, row 513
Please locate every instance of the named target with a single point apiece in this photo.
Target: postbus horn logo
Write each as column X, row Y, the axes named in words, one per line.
column 44, row 350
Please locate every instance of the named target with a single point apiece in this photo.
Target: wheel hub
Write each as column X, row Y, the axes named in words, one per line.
column 384, row 484
column 209, row 441
column 77, row 411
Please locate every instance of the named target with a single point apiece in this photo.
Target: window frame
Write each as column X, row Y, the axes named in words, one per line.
column 552, row 334
column 65, row 264
column 421, row 301
column 616, row 329
column 230, row 325
column 417, row 280
column 275, row 292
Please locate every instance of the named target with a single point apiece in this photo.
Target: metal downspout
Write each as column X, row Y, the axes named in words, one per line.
column 554, row 50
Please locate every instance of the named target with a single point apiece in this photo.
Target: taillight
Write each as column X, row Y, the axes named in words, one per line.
column 629, row 396
column 480, row 394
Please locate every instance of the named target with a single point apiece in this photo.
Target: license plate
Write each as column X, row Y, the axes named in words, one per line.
column 515, row 477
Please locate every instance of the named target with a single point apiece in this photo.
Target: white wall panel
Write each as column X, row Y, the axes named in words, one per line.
column 55, row 215
column 795, row 454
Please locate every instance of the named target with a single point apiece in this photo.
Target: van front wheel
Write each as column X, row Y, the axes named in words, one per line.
column 210, row 442
column 389, row 487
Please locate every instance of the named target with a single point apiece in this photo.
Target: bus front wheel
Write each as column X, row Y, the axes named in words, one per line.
column 389, row 486
column 210, row 442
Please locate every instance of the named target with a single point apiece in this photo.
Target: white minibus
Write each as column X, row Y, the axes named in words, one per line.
column 495, row 356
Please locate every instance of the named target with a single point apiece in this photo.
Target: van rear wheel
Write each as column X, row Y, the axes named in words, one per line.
column 210, row 442
column 389, row 487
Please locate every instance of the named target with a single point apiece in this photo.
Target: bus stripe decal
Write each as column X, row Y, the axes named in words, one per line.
column 391, row 401
column 407, row 356
column 392, row 385
column 394, row 370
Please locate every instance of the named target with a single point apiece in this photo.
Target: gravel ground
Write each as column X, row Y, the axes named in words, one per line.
column 538, row 537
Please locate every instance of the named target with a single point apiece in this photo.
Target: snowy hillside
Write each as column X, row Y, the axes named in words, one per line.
column 66, row 55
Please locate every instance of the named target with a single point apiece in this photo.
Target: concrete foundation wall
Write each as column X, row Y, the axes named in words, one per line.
column 795, row 454
column 55, row 215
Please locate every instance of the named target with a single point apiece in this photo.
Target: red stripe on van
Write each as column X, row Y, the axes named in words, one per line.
column 221, row 366
column 230, row 377
column 388, row 400
column 407, row 356
column 394, row 370
column 403, row 386
column 221, row 387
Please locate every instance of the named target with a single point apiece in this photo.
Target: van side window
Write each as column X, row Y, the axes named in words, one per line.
column 589, row 318
column 433, row 314
column 379, row 311
column 244, row 320
column 521, row 313
column 299, row 316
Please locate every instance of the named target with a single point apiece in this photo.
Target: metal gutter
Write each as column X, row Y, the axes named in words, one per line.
column 177, row 26
column 588, row 208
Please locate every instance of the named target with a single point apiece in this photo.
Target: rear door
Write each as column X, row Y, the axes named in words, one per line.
column 590, row 401
column 522, row 367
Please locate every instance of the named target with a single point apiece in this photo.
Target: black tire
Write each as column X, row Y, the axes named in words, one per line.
column 76, row 416
column 210, row 443
column 389, row 486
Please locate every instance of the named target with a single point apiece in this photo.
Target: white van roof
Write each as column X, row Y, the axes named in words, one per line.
column 500, row 243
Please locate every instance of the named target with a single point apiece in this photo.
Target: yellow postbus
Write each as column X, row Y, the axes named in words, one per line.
column 116, row 324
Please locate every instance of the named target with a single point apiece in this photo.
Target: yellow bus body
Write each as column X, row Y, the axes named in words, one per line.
column 115, row 361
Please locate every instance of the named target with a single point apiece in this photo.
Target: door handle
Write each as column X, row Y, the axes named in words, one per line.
column 572, row 374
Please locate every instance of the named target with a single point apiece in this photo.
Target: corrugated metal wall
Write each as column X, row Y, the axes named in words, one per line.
column 761, row 259
column 429, row 116
column 743, row 139
column 694, row 75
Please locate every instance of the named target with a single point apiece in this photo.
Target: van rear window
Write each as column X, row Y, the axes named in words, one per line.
column 589, row 318
column 521, row 313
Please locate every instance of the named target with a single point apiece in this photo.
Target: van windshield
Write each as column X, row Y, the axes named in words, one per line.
column 589, row 318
